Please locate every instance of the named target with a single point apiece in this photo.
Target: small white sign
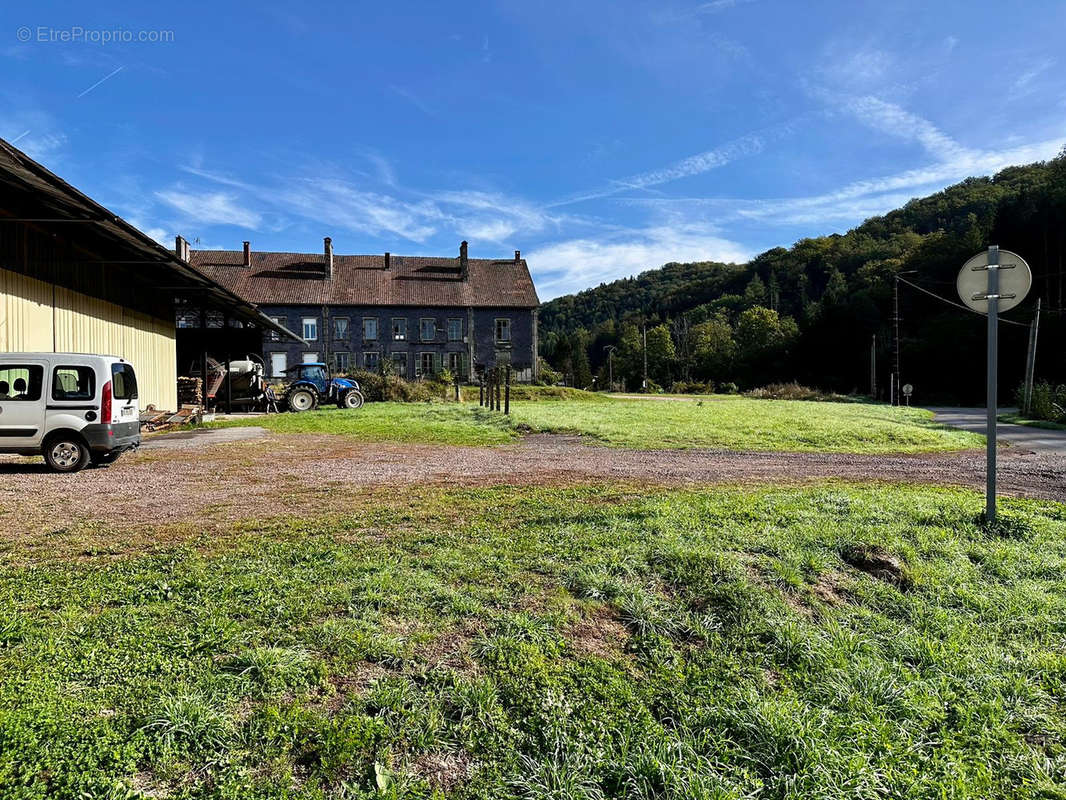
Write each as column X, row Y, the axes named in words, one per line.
column 908, row 390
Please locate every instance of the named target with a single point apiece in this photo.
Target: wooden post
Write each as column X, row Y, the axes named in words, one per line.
column 507, row 392
column 457, row 388
column 481, row 392
column 229, row 386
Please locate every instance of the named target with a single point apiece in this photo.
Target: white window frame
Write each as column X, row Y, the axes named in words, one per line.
column 393, row 359
column 309, row 322
column 337, row 364
column 458, row 338
column 377, row 332
column 496, row 330
column 422, row 329
column 283, row 354
column 401, row 337
column 311, row 358
column 347, row 329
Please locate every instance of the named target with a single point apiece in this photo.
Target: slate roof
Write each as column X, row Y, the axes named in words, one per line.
column 299, row 279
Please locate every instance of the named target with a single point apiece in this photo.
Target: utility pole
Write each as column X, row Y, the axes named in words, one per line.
column 873, row 367
column 1030, row 361
column 610, row 366
column 895, row 356
column 645, row 328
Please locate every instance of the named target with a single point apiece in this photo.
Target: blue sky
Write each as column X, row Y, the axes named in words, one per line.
column 600, row 138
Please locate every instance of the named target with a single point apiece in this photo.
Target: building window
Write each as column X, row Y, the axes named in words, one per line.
column 399, row 364
column 342, row 362
column 372, row 360
column 427, row 365
column 340, row 328
column 427, row 329
column 455, row 365
column 370, row 329
column 279, row 362
column 399, row 330
column 503, row 330
column 215, row 319
column 73, row 383
column 189, row 318
column 310, row 358
column 311, row 328
column 455, row 330
column 274, row 335
column 21, row 381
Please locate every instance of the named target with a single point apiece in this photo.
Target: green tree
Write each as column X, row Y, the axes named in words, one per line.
column 755, row 293
column 713, row 348
column 661, row 354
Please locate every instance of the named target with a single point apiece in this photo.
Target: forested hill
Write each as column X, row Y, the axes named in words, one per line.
column 810, row 312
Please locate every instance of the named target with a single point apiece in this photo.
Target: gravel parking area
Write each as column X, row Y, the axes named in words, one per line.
column 204, row 482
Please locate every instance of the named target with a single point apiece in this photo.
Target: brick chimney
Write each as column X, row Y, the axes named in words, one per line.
column 247, row 254
column 328, row 247
column 181, row 248
column 388, row 260
column 464, row 262
column 517, row 256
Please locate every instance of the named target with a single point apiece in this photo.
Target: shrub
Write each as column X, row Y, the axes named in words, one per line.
column 1048, row 402
column 692, row 387
column 797, row 391
column 728, row 388
column 378, row 387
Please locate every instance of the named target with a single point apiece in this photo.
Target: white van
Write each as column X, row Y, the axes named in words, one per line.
column 72, row 408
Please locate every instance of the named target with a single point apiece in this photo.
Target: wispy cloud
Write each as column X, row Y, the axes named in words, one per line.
column 210, row 208
column 893, row 120
column 575, row 264
column 1023, row 84
column 413, row 99
column 742, row 147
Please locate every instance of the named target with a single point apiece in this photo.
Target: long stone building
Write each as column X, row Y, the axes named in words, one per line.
column 419, row 314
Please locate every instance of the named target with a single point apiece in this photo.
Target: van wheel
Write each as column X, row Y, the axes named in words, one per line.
column 66, row 453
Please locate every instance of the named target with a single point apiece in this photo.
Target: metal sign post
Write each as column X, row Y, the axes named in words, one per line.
column 908, row 390
column 990, row 283
column 993, row 379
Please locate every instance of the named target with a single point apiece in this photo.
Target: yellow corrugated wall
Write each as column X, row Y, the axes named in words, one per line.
column 83, row 324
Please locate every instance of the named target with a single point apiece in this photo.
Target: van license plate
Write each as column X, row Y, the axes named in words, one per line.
column 127, row 411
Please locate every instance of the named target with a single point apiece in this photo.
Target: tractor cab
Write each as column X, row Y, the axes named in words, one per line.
column 315, row 373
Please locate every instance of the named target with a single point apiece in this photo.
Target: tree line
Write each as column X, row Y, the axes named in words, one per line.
column 820, row 311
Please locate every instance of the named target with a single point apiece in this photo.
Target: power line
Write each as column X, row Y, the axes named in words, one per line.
column 957, row 305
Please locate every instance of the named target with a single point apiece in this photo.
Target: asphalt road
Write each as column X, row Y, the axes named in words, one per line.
column 1024, row 437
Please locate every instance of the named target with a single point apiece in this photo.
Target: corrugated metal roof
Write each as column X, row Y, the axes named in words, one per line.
column 299, row 279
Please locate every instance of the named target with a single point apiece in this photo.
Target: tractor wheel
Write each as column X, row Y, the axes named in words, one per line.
column 301, row 400
column 353, row 398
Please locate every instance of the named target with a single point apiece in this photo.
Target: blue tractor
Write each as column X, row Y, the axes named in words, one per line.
column 310, row 385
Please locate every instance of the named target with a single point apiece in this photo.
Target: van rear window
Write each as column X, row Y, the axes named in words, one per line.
column 73, row 383
column 123, row 382
column 21, row 381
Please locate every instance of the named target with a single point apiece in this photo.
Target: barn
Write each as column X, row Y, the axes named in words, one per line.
column 75, row 277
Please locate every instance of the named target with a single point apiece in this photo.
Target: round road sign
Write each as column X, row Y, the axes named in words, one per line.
column 1015, row 278
column 908, row 389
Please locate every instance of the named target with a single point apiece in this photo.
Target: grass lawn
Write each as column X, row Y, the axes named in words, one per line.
column 558, row 643
column 742, row 423
column 434, row 423
column 1046, row 424
column 729, row 422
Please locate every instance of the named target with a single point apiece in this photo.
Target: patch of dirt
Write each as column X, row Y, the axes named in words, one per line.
column 827, row 589
column 445, row 771
column 879, row 563
column 599, row 633
column 212, row 485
